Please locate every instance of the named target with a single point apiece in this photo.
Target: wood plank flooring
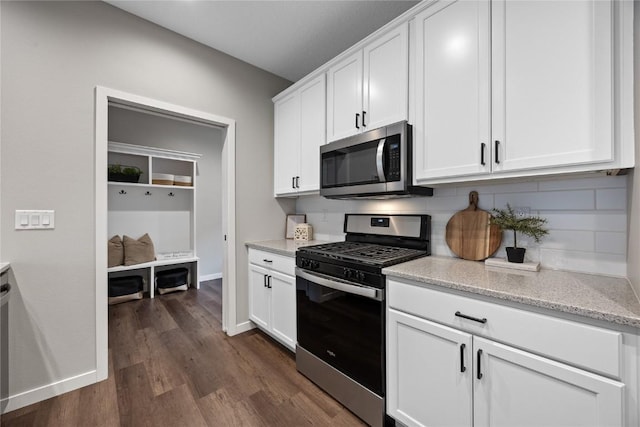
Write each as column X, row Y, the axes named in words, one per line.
column 170, row 364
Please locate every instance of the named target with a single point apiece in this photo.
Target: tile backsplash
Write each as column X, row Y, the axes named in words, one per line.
column 587, row 218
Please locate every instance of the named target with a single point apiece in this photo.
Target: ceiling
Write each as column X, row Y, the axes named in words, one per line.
column 287, row 38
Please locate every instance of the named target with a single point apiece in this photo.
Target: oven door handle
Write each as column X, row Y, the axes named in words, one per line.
column 380, row 160
column 371, row 293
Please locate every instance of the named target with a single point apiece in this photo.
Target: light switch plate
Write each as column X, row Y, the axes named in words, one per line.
column 35, row 219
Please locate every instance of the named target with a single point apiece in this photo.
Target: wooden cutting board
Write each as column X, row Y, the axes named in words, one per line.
column 469, row 233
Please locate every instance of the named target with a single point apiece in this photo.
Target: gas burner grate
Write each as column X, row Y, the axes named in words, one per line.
column 364, row 252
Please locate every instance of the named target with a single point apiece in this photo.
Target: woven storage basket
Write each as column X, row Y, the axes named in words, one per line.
column 162, row 179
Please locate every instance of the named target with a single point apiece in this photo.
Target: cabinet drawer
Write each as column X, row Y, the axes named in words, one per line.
column 276, row 262
column 581, row 345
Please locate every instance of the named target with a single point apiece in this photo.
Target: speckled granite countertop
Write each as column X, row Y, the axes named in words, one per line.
column 599, row 297
column 287, row 247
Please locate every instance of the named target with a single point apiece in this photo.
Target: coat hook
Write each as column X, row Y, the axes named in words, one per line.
column 171, row 194
column 148, row 193
column 122, row 192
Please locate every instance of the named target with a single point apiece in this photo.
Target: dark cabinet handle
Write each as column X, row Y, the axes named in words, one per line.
column 462, row 367
column 357, row 117
column 497, row 154
column 475, row 319
column 269, row 282
column 363, row 116
column 297, row 182
column 264, row 280
column 267, row 260
column 293, row 182
column 482, row 147
column 479, row 376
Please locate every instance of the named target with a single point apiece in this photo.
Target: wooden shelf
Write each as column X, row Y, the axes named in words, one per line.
column 170, row 222
column 156, row 263
column 137, row 184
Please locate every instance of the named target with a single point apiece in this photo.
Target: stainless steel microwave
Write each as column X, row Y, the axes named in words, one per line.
column 375, row 164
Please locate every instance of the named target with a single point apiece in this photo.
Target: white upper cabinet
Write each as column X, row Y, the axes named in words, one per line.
column 552, row 84
column 286, row 143
column 369, row 88
column 521, row 88
column 299, row 131
column 386, row 79
column 344, row 98
column 312, row 133
column 453, row 112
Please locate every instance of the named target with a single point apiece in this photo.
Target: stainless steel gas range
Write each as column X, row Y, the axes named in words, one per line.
column 340, row 302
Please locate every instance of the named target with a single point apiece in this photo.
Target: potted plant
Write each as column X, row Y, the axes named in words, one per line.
column 533, row 226
column 121, row 173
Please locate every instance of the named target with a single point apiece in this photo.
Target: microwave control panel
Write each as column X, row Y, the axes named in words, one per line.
column 393, row 156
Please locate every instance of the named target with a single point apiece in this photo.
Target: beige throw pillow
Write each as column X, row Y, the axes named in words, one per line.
column 138, row 251
column 115, row 252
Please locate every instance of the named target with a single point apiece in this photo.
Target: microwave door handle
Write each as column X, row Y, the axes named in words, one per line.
column 380, row 160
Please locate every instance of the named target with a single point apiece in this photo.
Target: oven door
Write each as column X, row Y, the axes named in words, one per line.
column 342, row 323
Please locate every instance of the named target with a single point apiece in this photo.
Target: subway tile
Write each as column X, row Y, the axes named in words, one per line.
column 600, row 221
column 611, row 199
column 511, row 187
column 444, row 191
column 584, row 262
column 612, row 243
column 583, row 183
column 449, row 204
column 582, row 238
column 549, row 200
column 569, row 240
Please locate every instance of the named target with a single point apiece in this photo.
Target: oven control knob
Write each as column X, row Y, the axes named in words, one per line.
column 347, row 273
column 315, row 264
column 360, row 275
column 304, row 263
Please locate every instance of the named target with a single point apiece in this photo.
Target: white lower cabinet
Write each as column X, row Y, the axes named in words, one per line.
column 522, row 389
column 272, row 295
column 439, row 375
column 429, row 372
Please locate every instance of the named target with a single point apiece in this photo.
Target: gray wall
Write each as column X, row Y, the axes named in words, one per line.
column 633, row 271
column 153, row 131
column 53, row 56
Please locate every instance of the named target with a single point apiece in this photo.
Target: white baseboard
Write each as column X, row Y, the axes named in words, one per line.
column 205, row 277
column 241, row 327
column 39, row 394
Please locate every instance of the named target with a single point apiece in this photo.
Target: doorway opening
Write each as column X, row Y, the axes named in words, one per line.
column 106, row 98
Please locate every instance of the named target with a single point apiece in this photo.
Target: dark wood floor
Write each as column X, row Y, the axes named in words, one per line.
column 170, row 364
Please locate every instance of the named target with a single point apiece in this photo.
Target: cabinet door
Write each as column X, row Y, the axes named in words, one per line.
column 453, row 115
column 518, row 388
column 312, row 132
column 283, row 308
column 344, row 98
column 552, row 83
column 429, row 372
column 259, row 296
column 286, row 144
column 386, row 79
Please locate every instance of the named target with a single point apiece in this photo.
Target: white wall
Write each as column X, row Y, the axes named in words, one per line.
column 633, row 271
column 587, row 218
column 153, row 131
column 54, row 54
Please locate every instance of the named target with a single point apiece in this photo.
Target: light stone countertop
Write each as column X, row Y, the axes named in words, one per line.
column 4, row 266
column 286, row 247
column 599, row 297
